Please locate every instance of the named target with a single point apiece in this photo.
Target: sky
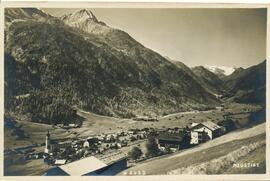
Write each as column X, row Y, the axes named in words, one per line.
column 222, row 37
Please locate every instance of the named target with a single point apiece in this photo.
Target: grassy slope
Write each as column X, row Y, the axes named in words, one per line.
column 31, row 168
column 205, row 152
column 257, row 156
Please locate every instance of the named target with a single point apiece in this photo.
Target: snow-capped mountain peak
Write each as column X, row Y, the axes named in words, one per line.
column 220, row 69
column 85, row 20
column 86, row 14
column 80, row 16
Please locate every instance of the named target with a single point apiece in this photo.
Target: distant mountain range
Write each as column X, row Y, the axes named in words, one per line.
column 220, row 70
column 239, row 84
column 247, row 85
column 207, row 79
column 53, row 65
column 211, row 81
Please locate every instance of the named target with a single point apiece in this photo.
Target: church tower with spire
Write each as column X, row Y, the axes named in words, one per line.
column 47, row 143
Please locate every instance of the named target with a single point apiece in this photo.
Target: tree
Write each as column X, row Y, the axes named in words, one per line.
column 69, row 150
column 228, row 124
column 186, row 140
column 152, row 147
column 135, row 153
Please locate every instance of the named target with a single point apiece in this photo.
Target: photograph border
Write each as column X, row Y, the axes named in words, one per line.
column 133, row 5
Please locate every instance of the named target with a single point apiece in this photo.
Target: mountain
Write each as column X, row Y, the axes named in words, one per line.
column 238, row 70
column 183, row 67
column 248, row 85
column 221, row 71
column 208, row 79
column 54, row 67
column 23, row 14
column 13, row 15
column 86, row 21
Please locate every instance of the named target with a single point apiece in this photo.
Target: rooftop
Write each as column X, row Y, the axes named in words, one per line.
column 170, row 137
column 110, row 158
column 209, row 124
column 92, row 163
column 83, row 166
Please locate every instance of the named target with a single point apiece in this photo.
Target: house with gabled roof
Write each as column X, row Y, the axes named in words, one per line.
column 213, row 130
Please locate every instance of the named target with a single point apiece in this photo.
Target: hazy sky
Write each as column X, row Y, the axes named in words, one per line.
column 224, row 37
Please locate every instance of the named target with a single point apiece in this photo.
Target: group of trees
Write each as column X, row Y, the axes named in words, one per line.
column 228, row 124
column 45, row 108
column 135, row 153
column 152, row 150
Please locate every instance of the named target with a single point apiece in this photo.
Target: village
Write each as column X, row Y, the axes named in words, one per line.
column 112, row 152
column 109, row 154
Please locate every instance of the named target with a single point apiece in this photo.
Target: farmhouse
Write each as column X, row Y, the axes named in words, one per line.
column 212, row 129
column 106, row 165
column 172, row 143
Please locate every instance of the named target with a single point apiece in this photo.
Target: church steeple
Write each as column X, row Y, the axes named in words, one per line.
column 47, row 143
column 48, row 134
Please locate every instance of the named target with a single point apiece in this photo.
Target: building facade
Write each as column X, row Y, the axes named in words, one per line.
column 168, row 140
column 212, row 129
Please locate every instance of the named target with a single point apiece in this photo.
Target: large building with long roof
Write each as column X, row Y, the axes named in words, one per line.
column 108, row 164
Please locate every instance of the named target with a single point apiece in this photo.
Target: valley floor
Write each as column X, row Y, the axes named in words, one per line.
column 96, row 124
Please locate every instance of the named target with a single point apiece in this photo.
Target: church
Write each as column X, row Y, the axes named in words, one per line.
column 52, row 146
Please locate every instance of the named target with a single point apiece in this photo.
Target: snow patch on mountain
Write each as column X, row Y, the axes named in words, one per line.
column 85, row 20
column 220, row 69
column 81, row 16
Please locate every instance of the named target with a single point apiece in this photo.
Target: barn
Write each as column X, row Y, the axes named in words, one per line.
column 173, row 140
column 102, row 165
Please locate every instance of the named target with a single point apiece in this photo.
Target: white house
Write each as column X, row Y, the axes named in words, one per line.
column 212, row 129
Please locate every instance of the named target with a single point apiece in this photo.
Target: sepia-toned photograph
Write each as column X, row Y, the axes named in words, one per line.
column 134, row 91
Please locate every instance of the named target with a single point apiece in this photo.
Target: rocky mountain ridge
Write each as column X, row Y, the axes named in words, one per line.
column 99, row 69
